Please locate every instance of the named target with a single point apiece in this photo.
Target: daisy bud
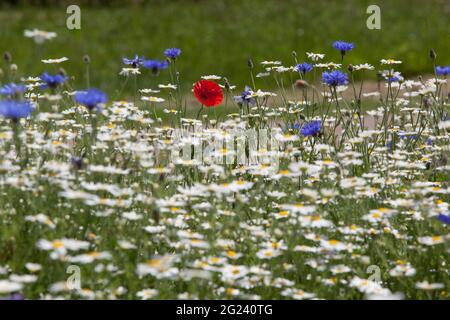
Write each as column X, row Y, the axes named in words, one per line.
column 432, row 54
column 86, row 59
column 250, row 63
column 13, row 68
column 7, row 57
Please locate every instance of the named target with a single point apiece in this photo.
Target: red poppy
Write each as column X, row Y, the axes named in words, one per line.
column 208, row 93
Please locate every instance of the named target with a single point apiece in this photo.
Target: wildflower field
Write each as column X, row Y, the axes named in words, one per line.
column 290, row 187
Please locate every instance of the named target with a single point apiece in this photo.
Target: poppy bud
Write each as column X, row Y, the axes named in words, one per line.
column 294, row 54
column 432, row 54
column 250, row 63
column 1, row 73
column 7, row 57
column 86, row 59
column 301, row 84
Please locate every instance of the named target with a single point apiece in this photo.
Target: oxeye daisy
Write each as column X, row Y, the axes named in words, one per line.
column 39, row 36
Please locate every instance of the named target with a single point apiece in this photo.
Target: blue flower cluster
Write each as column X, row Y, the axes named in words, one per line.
column 172, row 53
column 343, row 47
column 13, row 109
column 335, row 78
column 311, row 128
column 134, row 62
column 52, row 81
column 245, row 98
column 12, row 89
column 155, row 65
column 91, row 98
column 443, row 71
column 303, row 67
column 444, row 218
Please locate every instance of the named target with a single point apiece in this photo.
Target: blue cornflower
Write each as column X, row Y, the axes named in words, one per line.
column 311, row 128
column 12, row 89
column 172, row 53
column 443, row 71
column 135, row 62
column 245, row 98
column 155, row 65
column 304, row 67
column 343, row 47
column 394, row 79
column 91, row 98
column 444, row 218
column 52, row 81
column 12, row 109
column 335, row 78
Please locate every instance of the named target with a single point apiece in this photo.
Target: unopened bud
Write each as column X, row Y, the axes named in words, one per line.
column 86, row 59
column 62, row 72
column 294, row 54
column 227, row 84
column 250, row 63
column 432, row 54
column 300, row 84
column 13, row 68
column 7, row 57
column 350, row 68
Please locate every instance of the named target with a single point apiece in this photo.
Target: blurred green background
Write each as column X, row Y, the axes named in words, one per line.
column 218, row 36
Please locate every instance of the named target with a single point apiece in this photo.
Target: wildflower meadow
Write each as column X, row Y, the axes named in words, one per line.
column 321, row 178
